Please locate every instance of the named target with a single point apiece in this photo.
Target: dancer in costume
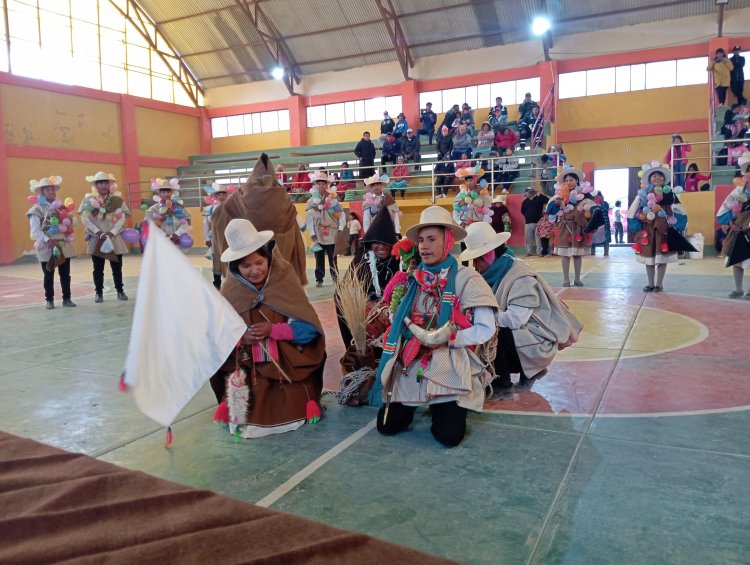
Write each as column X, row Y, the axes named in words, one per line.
column 472, row 203
column 427, row 359
column 103, row 212
column 734, row 218
column 375, row 200
column 52, row 222
column 169, row 214
column 655, row 214
column 272, row 383
column 533, row 323
column 216, row 194
column 572, row 210
column 325, row 218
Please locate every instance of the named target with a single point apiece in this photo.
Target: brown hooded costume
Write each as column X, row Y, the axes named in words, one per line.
column 264, row 202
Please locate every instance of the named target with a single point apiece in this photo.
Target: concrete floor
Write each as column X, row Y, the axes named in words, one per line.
column 634, row 449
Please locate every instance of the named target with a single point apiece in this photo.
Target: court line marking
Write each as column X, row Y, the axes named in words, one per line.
column 276, row 494
column 617, row 415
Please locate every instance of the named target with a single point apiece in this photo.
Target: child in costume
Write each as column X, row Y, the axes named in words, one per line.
column 103, row 212
column 215, row 194
column 169, row 214
column 52, row 222
column 374, row 200
column 571, row 211
column 655, row 214
column 271, row 384
column 325, row 218
column 734, row 218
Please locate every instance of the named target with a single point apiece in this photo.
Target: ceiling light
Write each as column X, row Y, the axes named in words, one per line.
column 540, row 26
column 277, row 73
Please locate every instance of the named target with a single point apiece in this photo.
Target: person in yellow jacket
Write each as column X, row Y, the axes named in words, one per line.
column 722, row 68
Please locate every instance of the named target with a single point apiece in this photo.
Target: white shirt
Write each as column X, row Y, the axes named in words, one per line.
column 481, row 330
column 515, row 317
column 354, row 227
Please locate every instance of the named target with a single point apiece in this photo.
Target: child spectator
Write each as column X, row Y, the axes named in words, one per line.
column 444, row 173
column 556, row 156
column 399, row 177
column 680, row 150
column 354, row 228
column 444, row 142
column 509, row 165
column 545, row 174
column 619, row 232
column 347, row 178
column 693, row 177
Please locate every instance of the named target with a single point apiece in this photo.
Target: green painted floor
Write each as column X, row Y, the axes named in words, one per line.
column 627, row 452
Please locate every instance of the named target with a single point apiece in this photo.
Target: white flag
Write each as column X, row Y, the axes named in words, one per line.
column 183, row 331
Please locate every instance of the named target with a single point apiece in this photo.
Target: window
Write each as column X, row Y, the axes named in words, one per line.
column 248, row 124
column 88, row 43
column 352, row 112
column 481, row 95
column 627, row 78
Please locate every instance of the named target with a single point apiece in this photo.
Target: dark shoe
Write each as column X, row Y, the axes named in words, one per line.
column 648, row 288
column 736, row 294
column 98, row 299
column 122, row 296
column 68, row 303
column 579, row 283
column 566, row 284
column 658, row 289
column 50, row 305
column 319, row 284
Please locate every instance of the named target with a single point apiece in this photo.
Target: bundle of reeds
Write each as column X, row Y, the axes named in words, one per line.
column 351, row 299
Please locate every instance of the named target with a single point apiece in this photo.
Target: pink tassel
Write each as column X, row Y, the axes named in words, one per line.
column 312, row 412
column 122, row 386
column 168, row 443
column 399, row 278
column 221, row 414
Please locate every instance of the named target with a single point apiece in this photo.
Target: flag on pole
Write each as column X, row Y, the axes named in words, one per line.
column 183, row 331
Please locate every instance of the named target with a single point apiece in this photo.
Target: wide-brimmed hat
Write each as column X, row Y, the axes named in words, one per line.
column 569, row 170
column 469, row 172
column 500, row 198
column 436, row 216
column 376, row 178
column 744, row 163
column 100, row 176
column 481, row 239
column 315, row 176
column 52, row 180
column 164, row 184
column 215, row 188
column 654, row 167
column 243, row 239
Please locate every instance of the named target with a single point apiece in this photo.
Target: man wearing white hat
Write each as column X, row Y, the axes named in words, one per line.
column 374, row 200
column 427, row 359
column 325, row 219
column 103, row 212
column 532, row 321
column 168, row 212
column 52, row 231
column 216, row 194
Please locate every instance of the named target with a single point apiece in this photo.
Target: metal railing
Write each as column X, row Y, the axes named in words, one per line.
column 546, row 113
column 707, row 165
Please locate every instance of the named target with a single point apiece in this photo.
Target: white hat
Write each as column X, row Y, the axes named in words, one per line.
column 376, row 178
column 436, row 216
column 469, row 172
column 481, row 239
column 243, row 239
column 52, row 180
column 164, row 184
column 654, row 167
column 500, row 198
column 569, row 170
column 315, row 176
column 744, row 162
column 100, row 176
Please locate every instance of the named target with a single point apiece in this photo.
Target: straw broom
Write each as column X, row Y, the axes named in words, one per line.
column 351, row 299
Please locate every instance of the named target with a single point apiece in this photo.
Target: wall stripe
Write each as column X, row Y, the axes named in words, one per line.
column 635, row 130
column 60, row 154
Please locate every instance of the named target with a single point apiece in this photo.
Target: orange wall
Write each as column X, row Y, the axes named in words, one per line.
column 255, row 142
column 165, row 134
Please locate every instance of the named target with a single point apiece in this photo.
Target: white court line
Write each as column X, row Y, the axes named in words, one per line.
column 300, row 476
column 619, row 415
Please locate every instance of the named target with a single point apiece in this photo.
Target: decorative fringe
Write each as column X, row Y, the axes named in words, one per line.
column 122, row 386
column 352, row 382
column 221, row 414
column 312, row 412
column 168, row 443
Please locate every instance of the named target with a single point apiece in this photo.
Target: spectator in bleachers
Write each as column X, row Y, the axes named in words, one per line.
column 387, row 125
column 544, row 175
column 693, row 178
column 526, row 125
column 410, row 148
column 390, row 151
column 467, row 118
column 444, row 142
column 556, row 156
column 497, row 120
column 735, row 151
column 485, row 138
column 428, row 119
column 445, row 170
column 399, row 177
column 680, row 159
column 354, row 228
column 509, row 165
column 462, row 141
column 401, row 126
column 737, row 77
column 450, row 116
column 301, row 183
column 503, row 111
column 492, row 169
column 506, row 138
column 347, row 178
column 365, row 152
column 525, row 107
column 500, row 215
column 283, row 178
column 722, row 69
column 532, row 209
column 463, row 162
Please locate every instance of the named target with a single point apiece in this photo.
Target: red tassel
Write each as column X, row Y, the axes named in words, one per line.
column 313, row 412
column 637, row 248
column 221, row 414
column 664, row 248
column 168, row 443
column 122, row 386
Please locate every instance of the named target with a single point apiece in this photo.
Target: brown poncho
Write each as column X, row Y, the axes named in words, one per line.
column 264, row 202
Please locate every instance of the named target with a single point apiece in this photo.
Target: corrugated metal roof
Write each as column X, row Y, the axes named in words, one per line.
column 221, row 46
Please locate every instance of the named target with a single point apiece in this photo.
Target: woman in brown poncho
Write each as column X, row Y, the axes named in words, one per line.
column 272, row 382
